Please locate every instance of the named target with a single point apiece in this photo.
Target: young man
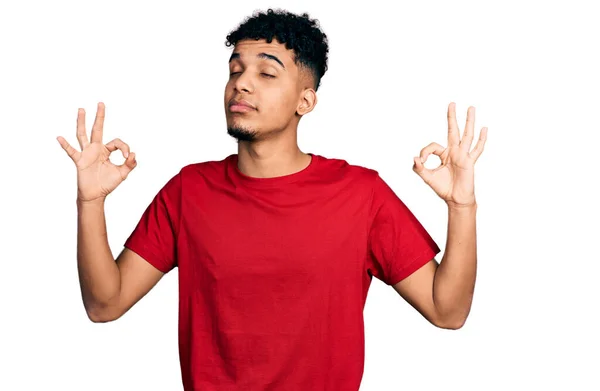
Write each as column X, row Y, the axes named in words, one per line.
column 276, row 248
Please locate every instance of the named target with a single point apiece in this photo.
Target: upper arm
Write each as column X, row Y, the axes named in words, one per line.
column 398, row 244
column 417, row 290
column 138, row 276
column 151, row 250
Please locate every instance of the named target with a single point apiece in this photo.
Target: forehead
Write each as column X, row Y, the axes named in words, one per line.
column 248, row 49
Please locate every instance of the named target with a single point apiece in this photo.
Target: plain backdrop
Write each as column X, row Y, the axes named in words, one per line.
column 531, row 69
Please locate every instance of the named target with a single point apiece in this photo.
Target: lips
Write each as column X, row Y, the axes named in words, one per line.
column 242, row 103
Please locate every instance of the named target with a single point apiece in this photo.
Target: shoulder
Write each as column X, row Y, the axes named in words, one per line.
column 203, row 172
column 359, row 175
column 205, row 167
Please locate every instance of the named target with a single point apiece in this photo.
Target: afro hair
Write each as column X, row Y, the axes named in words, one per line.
column 297, row 32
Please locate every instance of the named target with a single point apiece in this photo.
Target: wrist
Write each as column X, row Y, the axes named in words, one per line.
column 452, row 206
column 95, row 202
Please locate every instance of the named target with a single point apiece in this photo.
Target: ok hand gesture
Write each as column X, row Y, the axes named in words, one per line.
column 453, row 180
column 97, row 176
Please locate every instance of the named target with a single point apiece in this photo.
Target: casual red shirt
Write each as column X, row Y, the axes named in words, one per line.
column 274, row 272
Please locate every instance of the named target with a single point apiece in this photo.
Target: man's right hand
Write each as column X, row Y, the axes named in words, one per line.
column 96, row 175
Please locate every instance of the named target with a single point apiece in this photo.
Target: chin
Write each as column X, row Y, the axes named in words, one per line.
column 242, row 134
column 239, row 122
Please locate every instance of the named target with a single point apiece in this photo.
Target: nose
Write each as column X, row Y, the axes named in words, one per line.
column 243, row 83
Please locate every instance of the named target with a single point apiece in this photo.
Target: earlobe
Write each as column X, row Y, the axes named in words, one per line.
column 302, row 108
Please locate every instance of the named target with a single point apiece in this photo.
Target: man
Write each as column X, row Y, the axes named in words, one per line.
column 276, row 248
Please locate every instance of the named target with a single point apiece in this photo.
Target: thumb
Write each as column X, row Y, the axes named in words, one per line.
column 129, row 164
column 419, row 169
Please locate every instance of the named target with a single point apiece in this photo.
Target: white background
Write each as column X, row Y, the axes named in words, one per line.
column 530, row 69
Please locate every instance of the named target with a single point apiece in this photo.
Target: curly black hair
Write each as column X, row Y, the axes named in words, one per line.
column 297, row 32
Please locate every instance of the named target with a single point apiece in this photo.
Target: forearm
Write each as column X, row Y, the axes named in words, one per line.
column 99, row 275
column 454, row 281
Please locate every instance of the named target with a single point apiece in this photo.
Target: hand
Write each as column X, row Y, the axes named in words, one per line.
column 453, row 180
column 96, row 175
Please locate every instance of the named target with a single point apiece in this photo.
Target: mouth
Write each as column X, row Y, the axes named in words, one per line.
column 240, row 108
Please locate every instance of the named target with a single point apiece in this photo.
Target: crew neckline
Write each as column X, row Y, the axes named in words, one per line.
column 246, row 180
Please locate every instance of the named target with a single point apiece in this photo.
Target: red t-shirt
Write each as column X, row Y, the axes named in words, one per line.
column 274, row 272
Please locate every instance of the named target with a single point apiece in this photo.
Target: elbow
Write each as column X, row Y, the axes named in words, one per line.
column 98, row 318
column 450, row 322
column 101, row 314
column 450, row 319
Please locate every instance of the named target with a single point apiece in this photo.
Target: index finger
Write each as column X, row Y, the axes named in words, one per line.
column 97, row 129
column 453, row 135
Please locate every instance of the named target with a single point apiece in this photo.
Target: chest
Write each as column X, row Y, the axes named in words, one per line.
column 260, row 242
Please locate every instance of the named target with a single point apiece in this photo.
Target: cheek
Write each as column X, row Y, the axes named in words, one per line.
column 282, row 100
column 228, row 87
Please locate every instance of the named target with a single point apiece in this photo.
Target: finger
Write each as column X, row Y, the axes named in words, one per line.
column 129, row 164
column 81, row 135
column 115, row 144
column 72, row 152
column 480, row 144
column 98, row 127
column 467, row 139
column 453, row 136
column 419, row 168
column 434, row 148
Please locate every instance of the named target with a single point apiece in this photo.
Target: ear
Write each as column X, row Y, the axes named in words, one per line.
column 308, row 101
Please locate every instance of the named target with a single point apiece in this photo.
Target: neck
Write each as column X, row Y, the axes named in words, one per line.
column 260, row 160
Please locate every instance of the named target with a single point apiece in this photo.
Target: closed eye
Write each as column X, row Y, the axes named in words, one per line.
column 264, row 74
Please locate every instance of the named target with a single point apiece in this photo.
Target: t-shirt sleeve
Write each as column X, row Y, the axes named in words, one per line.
column 398, row 243
column 155, row 236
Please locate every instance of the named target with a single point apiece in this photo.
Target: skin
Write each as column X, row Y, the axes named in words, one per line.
column 109, row 288
column 443, row 292
column 267, row 136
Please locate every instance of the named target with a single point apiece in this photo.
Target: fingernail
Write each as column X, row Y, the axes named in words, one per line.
column 126, row 154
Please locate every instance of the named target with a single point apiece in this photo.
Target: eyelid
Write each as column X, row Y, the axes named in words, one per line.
column 262, row 73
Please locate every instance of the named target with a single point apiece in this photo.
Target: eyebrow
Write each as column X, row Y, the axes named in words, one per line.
column 264, row 56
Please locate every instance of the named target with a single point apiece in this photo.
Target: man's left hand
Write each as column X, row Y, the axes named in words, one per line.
column 453, row 180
